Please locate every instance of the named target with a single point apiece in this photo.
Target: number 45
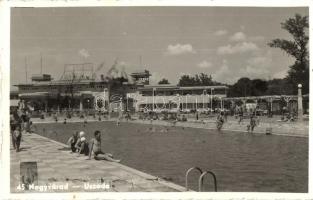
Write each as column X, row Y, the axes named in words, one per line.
column 20, row 187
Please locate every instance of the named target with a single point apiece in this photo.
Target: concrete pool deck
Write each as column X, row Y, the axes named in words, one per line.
column 57, row 166
column 297, row 129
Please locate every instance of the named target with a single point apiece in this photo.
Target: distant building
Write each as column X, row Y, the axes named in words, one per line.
column 76, row 94
column 14, row 100
column 141, row 77
column 173, row 97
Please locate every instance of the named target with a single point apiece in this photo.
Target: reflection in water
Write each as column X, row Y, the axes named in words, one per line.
column 242, row 162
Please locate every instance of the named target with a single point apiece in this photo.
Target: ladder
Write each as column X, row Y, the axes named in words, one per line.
column 201, row 178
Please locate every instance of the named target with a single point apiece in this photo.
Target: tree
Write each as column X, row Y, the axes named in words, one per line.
column 186, row 80
column 258, row 87
column 205, row 79
column 201, row 79
column 297, row 48
column 164, row 81
column 278, row 87
column 241, row 88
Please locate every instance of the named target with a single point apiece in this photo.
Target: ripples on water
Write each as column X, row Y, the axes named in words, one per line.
column 242, row 162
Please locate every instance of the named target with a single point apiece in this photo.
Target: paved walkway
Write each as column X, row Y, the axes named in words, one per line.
column 58, row 167
column 296, row 129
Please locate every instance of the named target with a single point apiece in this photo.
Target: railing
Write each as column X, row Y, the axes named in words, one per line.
column 187, row 173
column 200, row 181
column 176, row 99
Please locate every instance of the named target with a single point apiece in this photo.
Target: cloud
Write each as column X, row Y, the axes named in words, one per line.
column 238, row 37
column 220, row 32
column 237, row 48
column 155, row 78
column 180, row 49
column 121, row 63
column 205, row 64
column 259, row 61
column 254, row 72
column 184, row 74
column 256, row 38
column 280, row 74
column 84, row 53
column 258, row 66
column 224, row 74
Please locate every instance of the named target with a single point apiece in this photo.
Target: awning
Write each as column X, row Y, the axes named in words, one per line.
column 55, row 95
column 34, row 94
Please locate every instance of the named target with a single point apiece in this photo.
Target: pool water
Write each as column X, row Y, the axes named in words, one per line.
column 242, row 162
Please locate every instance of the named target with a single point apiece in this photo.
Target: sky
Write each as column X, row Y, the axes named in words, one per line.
column 225, row 42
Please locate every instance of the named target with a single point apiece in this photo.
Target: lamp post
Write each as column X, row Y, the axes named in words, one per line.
column 300, row 107
column 204, row 94
column 222, row 103
column 153, row 91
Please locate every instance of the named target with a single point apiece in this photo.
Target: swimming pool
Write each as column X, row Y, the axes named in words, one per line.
column 241, row 162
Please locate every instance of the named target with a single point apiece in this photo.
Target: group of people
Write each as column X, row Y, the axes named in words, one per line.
column 19, row 123
column 221, row 118
column 79, row 144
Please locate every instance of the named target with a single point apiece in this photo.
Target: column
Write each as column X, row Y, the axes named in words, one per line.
column 81, row 104
column 153, row 93
column 244, row 104
column 222, row 106
column 300, row 107
column 137, row 98
column 271, row 102
column 46, row 105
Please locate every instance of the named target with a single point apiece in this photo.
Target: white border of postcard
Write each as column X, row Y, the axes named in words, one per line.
column 5, row 6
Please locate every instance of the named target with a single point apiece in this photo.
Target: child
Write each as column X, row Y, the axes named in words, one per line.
column 95, row 147
column 118, row 121
column 17, row 136
column 240, row 116
column 81, row 144
column 55, row 116
column 220, row 121
column 252, row 124
column 72, row 141
column 26, row 124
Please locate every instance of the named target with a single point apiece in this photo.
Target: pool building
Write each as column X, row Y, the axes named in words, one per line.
column 80, row 89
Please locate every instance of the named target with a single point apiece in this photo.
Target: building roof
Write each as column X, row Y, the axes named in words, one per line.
column 140, row 72
column 204, row 87
column 175, row 87
column 14, row 92
column 61, row 82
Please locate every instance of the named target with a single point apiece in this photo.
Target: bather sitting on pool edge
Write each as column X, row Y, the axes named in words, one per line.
column 82, row 145
column 95, row 148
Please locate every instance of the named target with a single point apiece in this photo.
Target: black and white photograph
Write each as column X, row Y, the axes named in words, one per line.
column 159, row 99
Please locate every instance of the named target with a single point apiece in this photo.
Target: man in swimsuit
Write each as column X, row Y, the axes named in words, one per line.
column 95, row 147
column 17, row 137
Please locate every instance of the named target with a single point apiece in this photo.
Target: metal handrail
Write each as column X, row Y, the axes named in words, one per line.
column 187, row 173
column 201, row 180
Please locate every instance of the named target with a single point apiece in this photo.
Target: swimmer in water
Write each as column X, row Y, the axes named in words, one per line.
column 220, row 121
column 252, row 124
